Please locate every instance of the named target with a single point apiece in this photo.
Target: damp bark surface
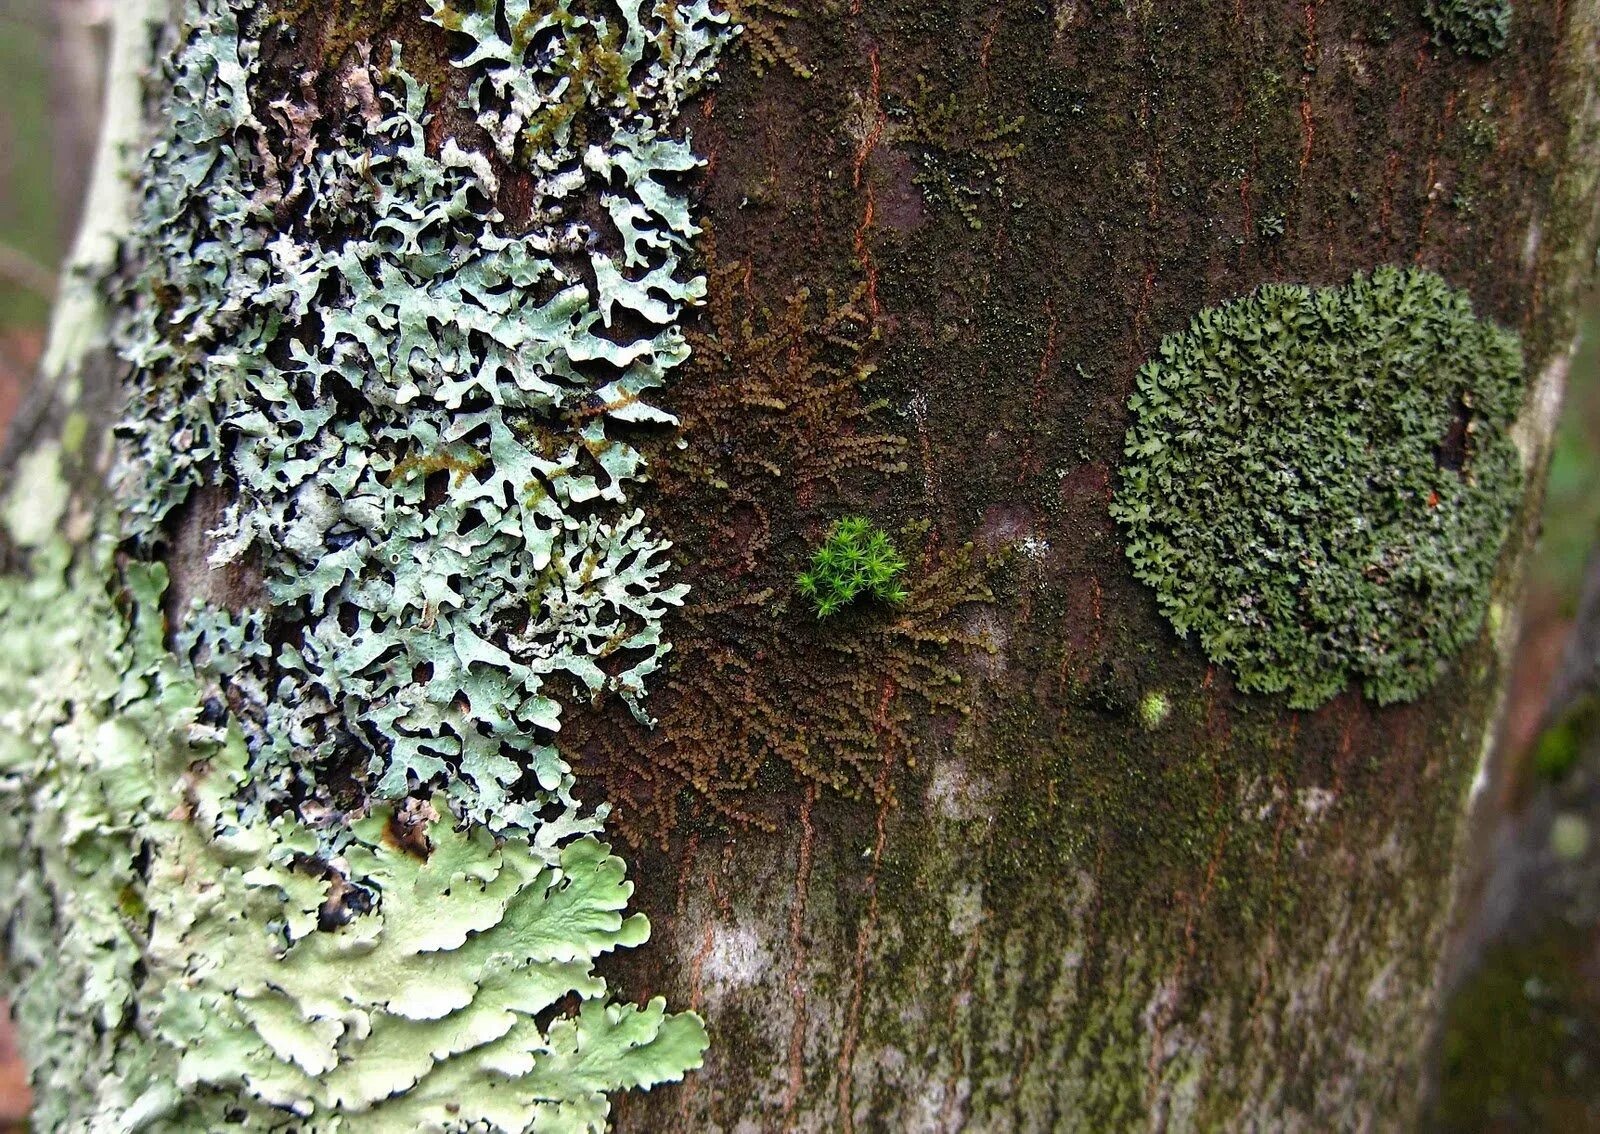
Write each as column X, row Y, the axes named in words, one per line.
column 1008, row 854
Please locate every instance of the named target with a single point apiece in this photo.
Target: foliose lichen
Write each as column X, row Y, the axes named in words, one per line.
column 310, row 849
column 217, row 974
column 410, row 406
column 1318, row 481
column 1470, row 27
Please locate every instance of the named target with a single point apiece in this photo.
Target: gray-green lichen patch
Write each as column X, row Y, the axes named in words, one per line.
column 1470, row 27
column 413, row 408
column 211, row 972
column 1318, row 481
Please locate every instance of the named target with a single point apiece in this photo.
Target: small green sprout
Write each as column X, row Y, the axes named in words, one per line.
column 1154, row 708
column 856, row 558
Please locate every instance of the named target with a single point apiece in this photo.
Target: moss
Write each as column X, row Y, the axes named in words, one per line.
column 961, row 147
column 765, row 25
column 1319, row 481
column 778, row 435
column 856, row 560
column 1154, row 709
column 1470, row 27
column 1559, row 746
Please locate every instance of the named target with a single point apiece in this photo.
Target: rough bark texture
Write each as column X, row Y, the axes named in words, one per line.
column 1014, row 857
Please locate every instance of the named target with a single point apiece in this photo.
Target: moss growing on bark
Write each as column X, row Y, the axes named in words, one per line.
column 1318, row 482
column 855, row 560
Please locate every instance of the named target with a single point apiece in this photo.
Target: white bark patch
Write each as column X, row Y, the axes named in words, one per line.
column 1537, row 423
column 955, row 794
column 736, row 960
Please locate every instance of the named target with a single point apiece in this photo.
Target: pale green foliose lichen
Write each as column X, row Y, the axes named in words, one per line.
column 37, row 498
column 1318, row 482
column 311, row 861
column 182, row 967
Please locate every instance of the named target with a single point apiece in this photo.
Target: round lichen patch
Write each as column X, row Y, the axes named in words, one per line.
column 1318, row 481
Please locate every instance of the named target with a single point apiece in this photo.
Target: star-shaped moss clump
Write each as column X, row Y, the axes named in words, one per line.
column 856, row 559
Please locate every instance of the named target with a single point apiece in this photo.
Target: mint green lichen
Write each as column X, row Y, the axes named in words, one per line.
column 856, row 559
column 82, row 732
column 1318, row 482
column 144, row 887
column 422, row 1010
column 1470, row 27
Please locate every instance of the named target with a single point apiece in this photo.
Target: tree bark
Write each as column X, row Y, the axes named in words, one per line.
column 1009, row 854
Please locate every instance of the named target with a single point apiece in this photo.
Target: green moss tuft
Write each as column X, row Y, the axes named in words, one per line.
column 1319, row 481
column 1471, row 27
column 1154, row 709
column 856, row 559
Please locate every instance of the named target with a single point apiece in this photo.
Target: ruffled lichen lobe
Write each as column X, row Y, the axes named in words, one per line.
column 217, row 972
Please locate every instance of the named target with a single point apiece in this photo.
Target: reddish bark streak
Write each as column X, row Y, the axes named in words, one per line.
column 797, row 950
column 864, row 151
column 1308, row 127
column 1428, row 187
column 852, row 1028
column 987, row 46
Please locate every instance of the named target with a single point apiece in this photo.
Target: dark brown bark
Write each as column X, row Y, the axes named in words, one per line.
column 1057, row 919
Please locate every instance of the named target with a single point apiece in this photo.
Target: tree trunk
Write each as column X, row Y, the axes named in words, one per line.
column 401, row 292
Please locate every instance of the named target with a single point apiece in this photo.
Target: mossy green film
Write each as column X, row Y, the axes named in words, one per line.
column 1318, row 482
